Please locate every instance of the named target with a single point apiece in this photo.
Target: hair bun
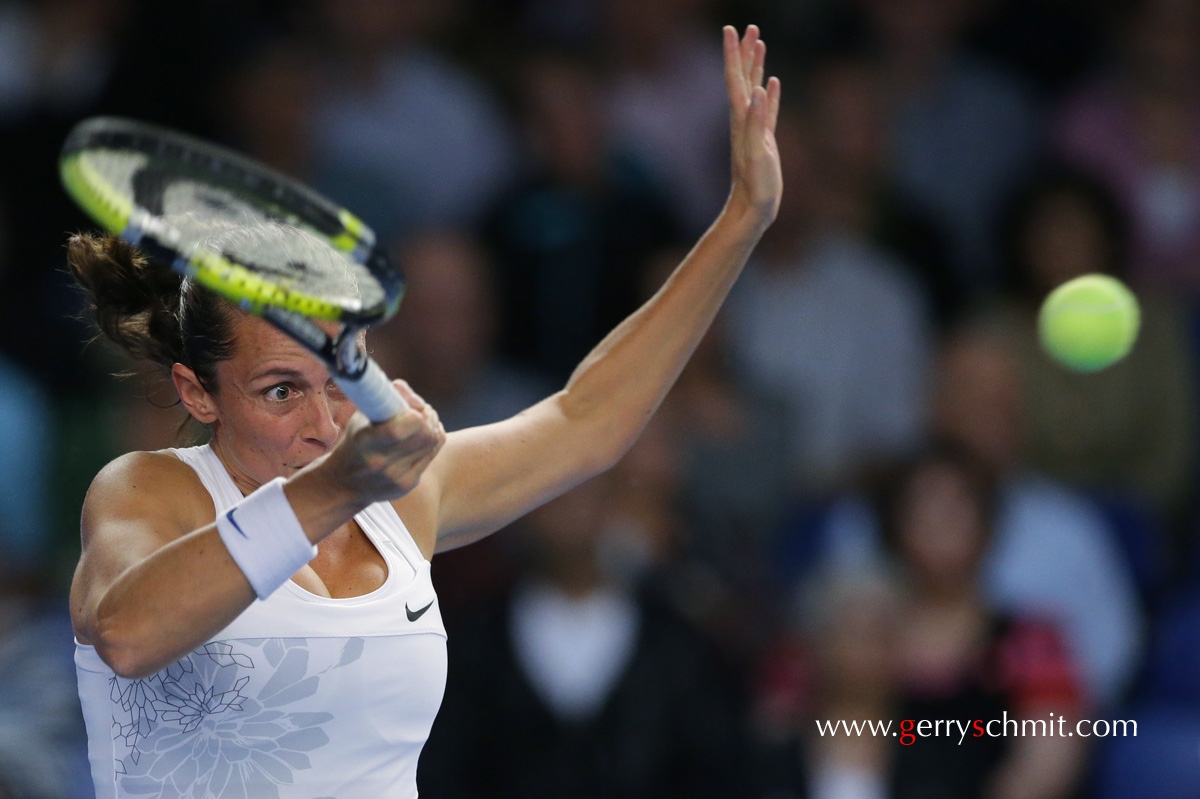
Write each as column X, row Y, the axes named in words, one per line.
column 132, row 301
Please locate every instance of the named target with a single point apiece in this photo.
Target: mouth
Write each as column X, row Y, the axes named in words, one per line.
column 296, row 466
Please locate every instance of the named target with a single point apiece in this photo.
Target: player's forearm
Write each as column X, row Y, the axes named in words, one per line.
column 187, row 591
column 168, row 604
column 623, row 380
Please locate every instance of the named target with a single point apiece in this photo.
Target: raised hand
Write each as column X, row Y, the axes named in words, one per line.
column 753, row 110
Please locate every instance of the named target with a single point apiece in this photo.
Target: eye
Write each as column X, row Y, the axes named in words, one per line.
column 279, row 393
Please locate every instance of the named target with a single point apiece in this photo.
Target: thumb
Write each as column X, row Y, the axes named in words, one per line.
column 411, row 397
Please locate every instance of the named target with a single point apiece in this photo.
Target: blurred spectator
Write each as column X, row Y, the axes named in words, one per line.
column 937, row 651
column 432, row 132
column 644, row 530
column 58, row 54
column 268, row 104
column 571, row 235
column 1052, row 553
column 962, row 130
column 1130, row 428
column 834, row 326
column 443, row 342
column 599, row 688
column 667, row 99
column 848, row 110
column 731, row 483
column 735, row 481
column 713, row 574
column 837, row 661
column 959, row 659
column 1139, row 129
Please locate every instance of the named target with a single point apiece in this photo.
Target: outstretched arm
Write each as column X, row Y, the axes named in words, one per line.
column 487, row 476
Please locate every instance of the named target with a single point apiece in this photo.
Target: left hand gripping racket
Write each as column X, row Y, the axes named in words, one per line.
column 266, row 243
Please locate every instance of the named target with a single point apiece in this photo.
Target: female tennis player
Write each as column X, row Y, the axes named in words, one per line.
column 255, row 616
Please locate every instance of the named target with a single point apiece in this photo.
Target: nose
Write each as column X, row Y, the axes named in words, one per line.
column 321, row 422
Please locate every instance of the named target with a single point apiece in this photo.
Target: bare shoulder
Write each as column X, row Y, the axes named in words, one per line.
column 147, row 485
column 136, row 505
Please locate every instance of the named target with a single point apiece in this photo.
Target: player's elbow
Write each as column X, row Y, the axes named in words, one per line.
column 608, row 456
column 125, row 661
column 600, row 448
column 126, row 664
column 614, row 440
column 599, row 435
column 119, row 646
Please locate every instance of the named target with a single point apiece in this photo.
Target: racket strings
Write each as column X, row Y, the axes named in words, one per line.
column 243, row 228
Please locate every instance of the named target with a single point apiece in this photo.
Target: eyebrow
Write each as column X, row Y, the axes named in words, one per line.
column 278, row 371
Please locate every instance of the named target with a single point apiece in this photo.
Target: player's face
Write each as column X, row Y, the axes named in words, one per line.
column 278, row 409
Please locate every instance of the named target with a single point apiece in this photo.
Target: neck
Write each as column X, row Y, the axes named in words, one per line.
column 244, row 482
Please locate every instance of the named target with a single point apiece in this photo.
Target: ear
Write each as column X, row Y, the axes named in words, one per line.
column 194, row 396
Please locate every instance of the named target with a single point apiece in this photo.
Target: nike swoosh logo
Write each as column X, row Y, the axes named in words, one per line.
column 414, row 615
column 236, row 526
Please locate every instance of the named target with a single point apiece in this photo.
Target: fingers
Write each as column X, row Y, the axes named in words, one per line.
column 747, row 51
column 426, row 415
column 759, row 60
column 411, row 397
column 745, row 61
column 774, row 92
column 735, row 82
column 428, row 440
column 386, row 460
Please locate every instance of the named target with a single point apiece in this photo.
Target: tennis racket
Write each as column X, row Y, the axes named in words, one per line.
column 266, row 243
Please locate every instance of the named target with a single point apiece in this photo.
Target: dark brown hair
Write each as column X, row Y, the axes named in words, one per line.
column 979, row 482
column 1053, row 182
column 148, row 310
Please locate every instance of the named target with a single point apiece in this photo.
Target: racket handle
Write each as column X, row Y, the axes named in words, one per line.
column 373, row 394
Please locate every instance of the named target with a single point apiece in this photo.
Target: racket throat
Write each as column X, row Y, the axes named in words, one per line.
column 351, row 359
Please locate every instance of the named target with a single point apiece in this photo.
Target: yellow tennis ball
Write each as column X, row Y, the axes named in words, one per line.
column 1089, row 323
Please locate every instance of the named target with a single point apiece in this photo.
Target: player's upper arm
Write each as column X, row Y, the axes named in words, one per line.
column 137, row 504
column 485, row 477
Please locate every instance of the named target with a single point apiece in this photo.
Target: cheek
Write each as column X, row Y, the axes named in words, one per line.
column 260, row 426
column 343, row 410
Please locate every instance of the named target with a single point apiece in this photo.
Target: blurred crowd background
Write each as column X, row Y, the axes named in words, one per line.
column 870, row 496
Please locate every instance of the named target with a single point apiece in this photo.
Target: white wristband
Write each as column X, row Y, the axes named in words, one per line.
column 265, row 538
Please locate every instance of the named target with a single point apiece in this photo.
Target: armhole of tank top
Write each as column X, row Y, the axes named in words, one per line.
column 388, row 521
column 211, row 473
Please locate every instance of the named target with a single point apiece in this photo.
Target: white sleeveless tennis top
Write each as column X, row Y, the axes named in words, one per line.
column 301, row 697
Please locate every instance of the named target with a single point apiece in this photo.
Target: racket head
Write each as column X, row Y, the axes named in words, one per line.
column 258, row 238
